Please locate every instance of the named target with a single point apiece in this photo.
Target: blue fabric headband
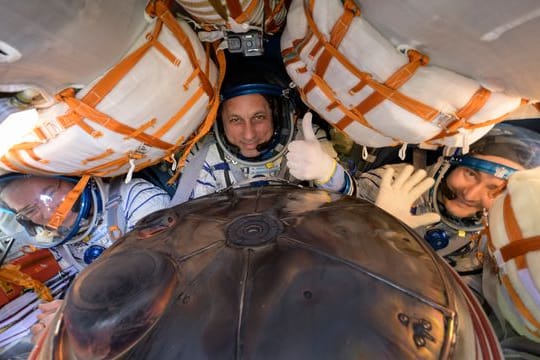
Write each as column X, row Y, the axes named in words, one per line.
column 498, row 170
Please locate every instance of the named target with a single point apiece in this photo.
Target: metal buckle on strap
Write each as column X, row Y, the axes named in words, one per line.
column 443, row 120
column 51, row 128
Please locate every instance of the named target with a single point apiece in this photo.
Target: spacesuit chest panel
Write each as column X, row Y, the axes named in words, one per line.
column 242, row 172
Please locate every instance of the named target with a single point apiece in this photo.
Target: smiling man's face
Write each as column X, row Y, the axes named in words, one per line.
column 474, row 190
column 247, row 121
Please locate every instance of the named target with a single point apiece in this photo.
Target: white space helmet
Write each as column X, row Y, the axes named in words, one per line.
column 250, row 76
column 34, row 200
column 511, row 142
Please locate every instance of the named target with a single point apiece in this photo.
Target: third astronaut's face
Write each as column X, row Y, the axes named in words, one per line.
column 36, row 198
column 474, row 190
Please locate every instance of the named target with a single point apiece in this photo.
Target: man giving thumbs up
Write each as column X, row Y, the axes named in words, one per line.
column 310, row 159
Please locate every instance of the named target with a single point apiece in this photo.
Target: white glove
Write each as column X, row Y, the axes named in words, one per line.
column 398, row 196
column 307, row 159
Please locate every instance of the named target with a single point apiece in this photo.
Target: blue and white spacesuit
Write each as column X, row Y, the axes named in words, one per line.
column 455, row 237
column 216, row 163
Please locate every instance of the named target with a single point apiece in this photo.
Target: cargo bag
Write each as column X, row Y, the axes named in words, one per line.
column 378, row 94
column 514, row 247
column 139, row 112
column 237, row 15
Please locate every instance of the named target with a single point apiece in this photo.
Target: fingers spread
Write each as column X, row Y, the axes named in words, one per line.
column 50, row 306
column 421, row 188
column 414, row 179
column 387, row 177
column 403, row 176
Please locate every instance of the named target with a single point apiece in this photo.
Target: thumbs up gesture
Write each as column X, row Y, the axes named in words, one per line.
column 306, row 158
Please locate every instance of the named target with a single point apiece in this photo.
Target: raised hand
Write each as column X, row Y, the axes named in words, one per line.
column 398, row 196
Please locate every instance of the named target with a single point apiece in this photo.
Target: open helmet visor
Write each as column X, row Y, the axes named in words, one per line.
column 34, row 200
column 283, row 122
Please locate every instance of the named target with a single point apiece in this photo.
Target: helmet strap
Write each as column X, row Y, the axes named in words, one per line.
column 65, row 207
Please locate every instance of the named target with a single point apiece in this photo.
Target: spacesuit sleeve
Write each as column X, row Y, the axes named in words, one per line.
column 141, row 198
column 341, row 181
column 368, row 184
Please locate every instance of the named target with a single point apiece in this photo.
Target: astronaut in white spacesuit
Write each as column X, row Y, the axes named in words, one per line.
column 101, row 213
column 451, row 214
column 257, row 138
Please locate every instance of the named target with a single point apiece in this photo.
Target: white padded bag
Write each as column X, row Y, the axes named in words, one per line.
column 137, row 113
column 380, row 95
column 237, row 15
column 514, row 246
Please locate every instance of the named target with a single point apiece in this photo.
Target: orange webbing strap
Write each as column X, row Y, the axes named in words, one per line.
column 161, row 10
column 338, row 32
column 108, row 152
column 74, row 118
column 329, row 93
column 207, row 51
column 12, row 274
column 180, row 114
column 246, row 14
column 84, row 108
column 290, row 55
column 13, row 158
column 86, row 105
column 416, row 107
column 189, row 104
column 519, row 248
column 270, row 15
column 522, row 309
column 210, row 118
column 395, row 81
column 141, row 129
column 508, row 252
column 66, row 205
column 334, row 101
column 117, row 73
column 105, row 169
column 220, row 9
column 27, row 147
column 496, row 120
column 153, row 39
column 235, row 8
column 10, row 165
column 512, row 229
column 475, row 103
column 81, row 110
column 468, row 126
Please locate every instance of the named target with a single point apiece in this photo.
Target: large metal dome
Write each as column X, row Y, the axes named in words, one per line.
column 272, row 272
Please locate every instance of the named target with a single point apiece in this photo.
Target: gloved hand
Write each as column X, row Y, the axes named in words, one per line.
column 398, row 196
column 306, row 158
column 48, row 311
